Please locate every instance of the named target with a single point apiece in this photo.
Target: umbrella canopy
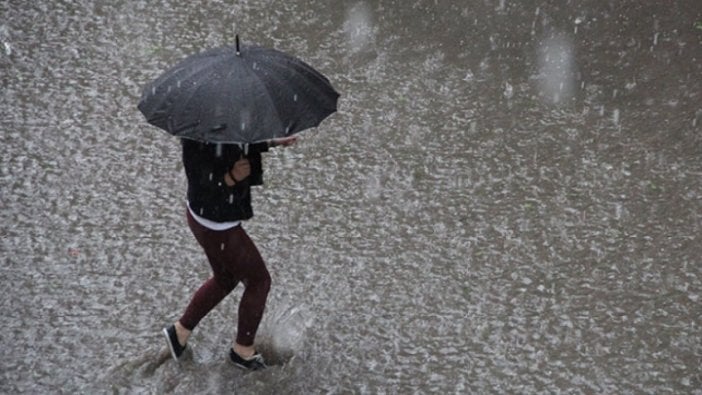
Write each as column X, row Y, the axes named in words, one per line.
column 238, row 94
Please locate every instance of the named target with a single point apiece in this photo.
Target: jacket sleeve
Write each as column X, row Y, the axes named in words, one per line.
column 256, row 160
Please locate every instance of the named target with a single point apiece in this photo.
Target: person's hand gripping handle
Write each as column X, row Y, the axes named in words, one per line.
column 238, row 172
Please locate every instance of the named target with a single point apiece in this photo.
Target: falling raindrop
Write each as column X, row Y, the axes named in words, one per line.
column 8, row 48
column 615, row 116
column 231, row 198
column 509, row 90
column 221, row 246
column 469, row 76
column 556, row 68
column 178, row 84
column 153, row 90
column 218, row 150
column 243, row 125
column 577, row 22
column 211, row 176
column 359, row 26
column 295, row 97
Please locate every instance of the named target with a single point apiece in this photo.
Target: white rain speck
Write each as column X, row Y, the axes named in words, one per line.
column 231, row 198
column 211, row 176
column 615, row 117
column 221, row 246
column 509, row 91
column 295, row 97
column 469, row 76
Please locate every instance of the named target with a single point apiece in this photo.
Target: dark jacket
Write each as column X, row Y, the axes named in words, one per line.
column 208, row 194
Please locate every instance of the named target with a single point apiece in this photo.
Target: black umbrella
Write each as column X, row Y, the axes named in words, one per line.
column 238, row 94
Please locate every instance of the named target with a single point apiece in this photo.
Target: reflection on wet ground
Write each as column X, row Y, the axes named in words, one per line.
column 507, row 201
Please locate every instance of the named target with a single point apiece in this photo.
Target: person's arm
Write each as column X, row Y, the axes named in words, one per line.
column 282, row 141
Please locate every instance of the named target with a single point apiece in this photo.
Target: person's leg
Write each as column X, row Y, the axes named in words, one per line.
column 203, row 301
column 251, row 269
column 216, row 288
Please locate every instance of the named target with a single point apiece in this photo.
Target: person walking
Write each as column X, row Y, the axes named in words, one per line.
column 220, row 177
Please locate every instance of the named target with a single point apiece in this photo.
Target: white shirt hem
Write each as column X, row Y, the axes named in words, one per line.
column 209, row 224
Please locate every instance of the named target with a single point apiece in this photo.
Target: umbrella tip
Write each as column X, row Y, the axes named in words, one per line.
column 238, row 51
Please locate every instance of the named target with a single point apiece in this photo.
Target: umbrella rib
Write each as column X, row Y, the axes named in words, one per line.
column 304, row 72
column 178, row 109
column 307, row 92
column 267, row 95
column 159, row 105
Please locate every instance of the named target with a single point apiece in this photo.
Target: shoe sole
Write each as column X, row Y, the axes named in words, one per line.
column 242, row 367
column 170, row 345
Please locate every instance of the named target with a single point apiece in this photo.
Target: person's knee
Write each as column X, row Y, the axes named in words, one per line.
column 265, row 283
column 226, row 283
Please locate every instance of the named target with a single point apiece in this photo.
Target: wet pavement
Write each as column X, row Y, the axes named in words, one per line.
column 508, row 200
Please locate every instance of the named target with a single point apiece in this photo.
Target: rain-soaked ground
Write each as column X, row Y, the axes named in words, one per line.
column 509, row 200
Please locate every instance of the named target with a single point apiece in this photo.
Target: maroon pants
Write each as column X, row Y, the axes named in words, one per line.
column 233, row 258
